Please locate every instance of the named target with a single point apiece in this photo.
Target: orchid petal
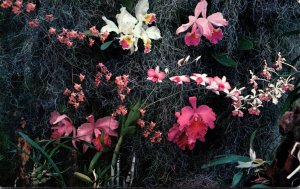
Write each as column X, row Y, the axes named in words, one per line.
column 193, row 102
column 141, row 9
column 201, row 8
column 126, row 21
column 207, row 115
column 108, row 125
column 110, row 27
column 186, row 26
column 153, row 33
column 217, row 19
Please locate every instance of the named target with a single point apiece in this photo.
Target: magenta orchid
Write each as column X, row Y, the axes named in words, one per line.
column 203, row 26
column 62, row 126
column 87, row 131
column 192, row 124
column 155, row 75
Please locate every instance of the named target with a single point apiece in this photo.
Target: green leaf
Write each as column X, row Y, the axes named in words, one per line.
column 130, row 130
column 292, row 97
column 252, row 138
column 260, row 186
column 101, row 173
column 289, row 33
column 46, row 156
column 88, row 33
column 134, row 114
column 105, row 45
column 224, row 59
column 128, row 4
column 94, row 161
column 231, row 158
column 83, row 177
column 236, row 179
column 245, row 44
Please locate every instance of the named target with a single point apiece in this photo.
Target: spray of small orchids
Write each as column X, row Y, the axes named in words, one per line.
column 273, row 86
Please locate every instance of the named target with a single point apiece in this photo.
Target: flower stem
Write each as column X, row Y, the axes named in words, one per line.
column 117, row 151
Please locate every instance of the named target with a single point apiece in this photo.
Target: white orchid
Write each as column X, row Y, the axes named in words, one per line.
column 130, row 29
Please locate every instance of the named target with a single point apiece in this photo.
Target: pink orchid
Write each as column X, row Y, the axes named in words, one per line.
column 62, row 126
column 155, row 75
column 217, row 84
column 180, row 79
column 201, row 79
column 30, row 7
column 203, row 26
column 192, row 124
column 87, row 131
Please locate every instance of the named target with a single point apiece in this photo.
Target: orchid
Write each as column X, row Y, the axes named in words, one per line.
column 192, row 124
column 180, row 79
column 203, row 26
column 62, row 126
column 130, row 29
column 155, row 75
column 90, row 132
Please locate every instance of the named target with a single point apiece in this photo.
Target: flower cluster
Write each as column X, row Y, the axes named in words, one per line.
column 17, row 6
column 149, row 131
column 96, row 33
column 76, row 96
column 203, row 26
column 123, row 89
column 192, row 124
column 130, row 29
column 98, row 132
column 272, row 90
column 67, row 36
column 104, row 72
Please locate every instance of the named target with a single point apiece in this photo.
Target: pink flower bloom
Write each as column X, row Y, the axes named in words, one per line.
column 223, row 85
column 72, row 34
column 203, row 26
column 121, row 110
column 69, row 43
column 180, row 79
column 254, row 111
column 6, row 4
column 19, row 3
column 77, row 87
column 49, row 17
column 155, row 75
column 235, row 93
column 94, row 31
column 30, row 7
column 80, row 36
column 52, row 31
column 193, row 38
column 199, row 78
column 33, row 24
column 91, row 42
column 238, row 113
column 81, row 77
column 87, row 131
column 104, row 36
column 62, row 126
column 16, row 10
column 192, row 124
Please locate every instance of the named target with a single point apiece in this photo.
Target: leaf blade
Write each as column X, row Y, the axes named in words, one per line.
column 224, row 59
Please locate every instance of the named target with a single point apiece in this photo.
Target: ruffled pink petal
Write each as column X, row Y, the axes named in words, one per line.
column 151, row 72
column 186, row 113
column 53, row 117
column 206, row 27
column 108, row 125
column 161, row 75
column 173, row 133
column 85, row 132
column 216, row 36
column 217, row 19
column 201, row 8
column 192, row 39
column 90, row 119
column 207, row 115
column 186, row 26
